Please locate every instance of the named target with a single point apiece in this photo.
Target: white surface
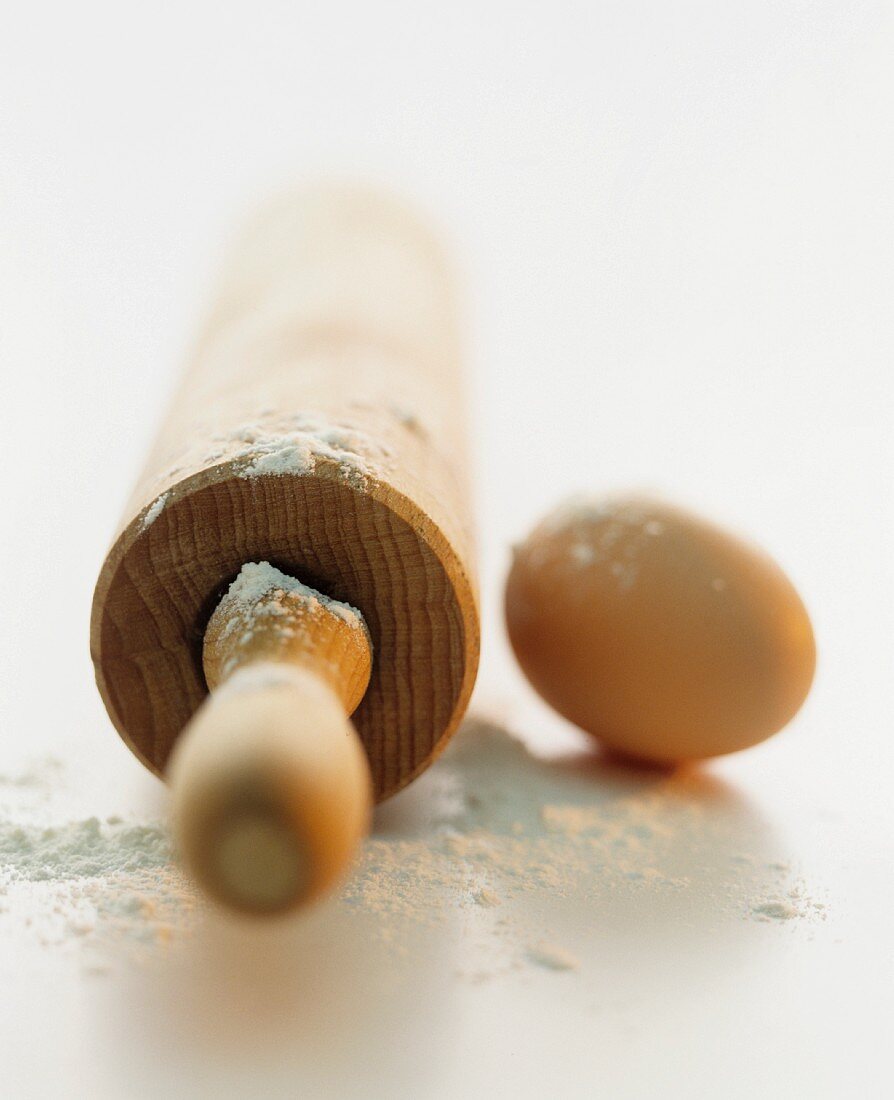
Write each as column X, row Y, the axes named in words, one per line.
column 676, row 221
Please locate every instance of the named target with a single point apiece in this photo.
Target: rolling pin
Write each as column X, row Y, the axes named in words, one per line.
column 286, row 626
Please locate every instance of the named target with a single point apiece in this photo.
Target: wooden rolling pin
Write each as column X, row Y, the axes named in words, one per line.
column 299, row 544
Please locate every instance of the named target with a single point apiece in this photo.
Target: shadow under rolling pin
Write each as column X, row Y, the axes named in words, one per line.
column 299, row 544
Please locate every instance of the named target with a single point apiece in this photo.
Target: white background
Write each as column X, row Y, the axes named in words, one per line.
column 675, row 221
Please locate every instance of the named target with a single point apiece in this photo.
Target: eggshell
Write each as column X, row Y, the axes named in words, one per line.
column 658, row 633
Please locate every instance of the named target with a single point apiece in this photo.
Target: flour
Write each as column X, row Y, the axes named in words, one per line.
column 617, row 535
column 154, row 511
column 262, row 597
column 291, row 454
column 494, row 841
column 612, row 533
column 80, row 849
column 582, row 553
column 261, row 590
column 296, row 445
column 790, row 907
column 94, row 881
column 277, row 444
column 502, row 826
column 257, row 579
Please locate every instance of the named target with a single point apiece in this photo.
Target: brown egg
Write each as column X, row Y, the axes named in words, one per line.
column 663, row 636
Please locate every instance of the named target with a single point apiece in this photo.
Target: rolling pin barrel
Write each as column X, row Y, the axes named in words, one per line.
column 299, row 545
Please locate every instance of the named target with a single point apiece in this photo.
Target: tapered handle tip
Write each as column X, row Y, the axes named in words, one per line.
column 271, row 790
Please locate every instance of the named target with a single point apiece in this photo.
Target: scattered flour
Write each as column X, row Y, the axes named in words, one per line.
column 512, row 838
column 80, row 849
column 284, row 455
column 493, row 840
column 794, row 905
column 612, row 532
column 258, row 579
column 276, row 444
column 93, row 882
column 617, row 534
column 264, row 596
column 154, row 511
column 582, row 553
column 295, row 445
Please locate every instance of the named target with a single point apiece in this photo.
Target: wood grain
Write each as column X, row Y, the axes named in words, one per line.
column 337, row 305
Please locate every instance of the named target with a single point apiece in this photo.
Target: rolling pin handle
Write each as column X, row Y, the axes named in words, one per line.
column 270, row 784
